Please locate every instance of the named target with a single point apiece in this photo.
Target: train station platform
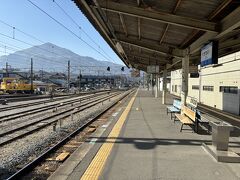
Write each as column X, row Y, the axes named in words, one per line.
column 142, row 142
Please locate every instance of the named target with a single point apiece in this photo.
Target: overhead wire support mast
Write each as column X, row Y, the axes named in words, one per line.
column 31, row 76
column 68, row 78
column 61, row 24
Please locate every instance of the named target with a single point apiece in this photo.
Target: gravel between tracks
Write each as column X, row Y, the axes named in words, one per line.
column 14, row 155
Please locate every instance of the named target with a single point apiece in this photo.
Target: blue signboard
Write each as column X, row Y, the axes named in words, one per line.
column 209, row 54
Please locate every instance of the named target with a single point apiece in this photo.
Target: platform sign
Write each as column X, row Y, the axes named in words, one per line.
column 153, row 69
column 209, row 54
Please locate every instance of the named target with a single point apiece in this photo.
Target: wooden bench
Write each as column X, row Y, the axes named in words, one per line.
column 188, row 117
column 175, row 108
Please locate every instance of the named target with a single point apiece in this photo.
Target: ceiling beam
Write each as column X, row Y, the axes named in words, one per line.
column 196, row 32
column 139, row 29
column 123, row 24
column 158, row 16
column 222, row 6
column 228, row 24
column 100, row 26
column 229, row 44
column 164, row 33
column 166, row 29
column 146, row 56
column 151, row 46
column 231, row 34
column 160, row 60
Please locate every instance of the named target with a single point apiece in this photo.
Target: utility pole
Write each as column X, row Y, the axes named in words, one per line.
column 6, row 69
column 31, row 75
column 42, row 75
column 68, row 77
column 79, row 80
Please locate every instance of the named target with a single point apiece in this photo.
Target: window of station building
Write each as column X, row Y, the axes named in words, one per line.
column 229, row 89
column 195, row 87
column 208, row 88
column 172, row 88
column 175, row 88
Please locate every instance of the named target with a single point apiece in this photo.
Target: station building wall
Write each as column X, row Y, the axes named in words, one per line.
column 218, row 86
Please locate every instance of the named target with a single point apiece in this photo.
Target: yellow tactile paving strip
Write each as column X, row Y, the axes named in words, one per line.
column 95, row 168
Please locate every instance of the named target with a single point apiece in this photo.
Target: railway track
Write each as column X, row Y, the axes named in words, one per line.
column 62, row 97
column 13, row 131
column 34, row 110
column 37, row 161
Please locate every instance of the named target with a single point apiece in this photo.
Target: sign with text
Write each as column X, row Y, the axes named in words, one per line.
column 153, row 69
column 209, row 54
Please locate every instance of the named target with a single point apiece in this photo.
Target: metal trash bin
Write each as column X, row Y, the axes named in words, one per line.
column 220, row 135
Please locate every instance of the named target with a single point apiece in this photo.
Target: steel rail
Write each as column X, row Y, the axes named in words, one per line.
column 56, row 98
column 64, row 114
column 15, row 115
column 27, row 168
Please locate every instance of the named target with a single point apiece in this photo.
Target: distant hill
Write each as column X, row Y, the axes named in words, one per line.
column 50, row 57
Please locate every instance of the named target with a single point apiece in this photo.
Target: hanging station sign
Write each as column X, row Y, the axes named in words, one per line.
column 153, row 69
column 209, row 54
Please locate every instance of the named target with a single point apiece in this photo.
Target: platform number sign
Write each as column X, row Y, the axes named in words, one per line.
column 209, row 54
column 153, row 69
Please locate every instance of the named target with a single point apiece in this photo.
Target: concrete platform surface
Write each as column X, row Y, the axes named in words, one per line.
column 151, row 146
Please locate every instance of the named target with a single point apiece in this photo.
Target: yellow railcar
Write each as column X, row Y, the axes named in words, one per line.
column 14, row 85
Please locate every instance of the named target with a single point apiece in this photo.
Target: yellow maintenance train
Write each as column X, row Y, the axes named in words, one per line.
column 14, row 85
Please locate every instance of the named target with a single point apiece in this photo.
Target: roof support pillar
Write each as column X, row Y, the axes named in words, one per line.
column 164, row 87
column 156, row 85
column 185, row 71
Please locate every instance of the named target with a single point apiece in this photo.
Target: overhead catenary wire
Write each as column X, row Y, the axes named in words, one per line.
column 66, row 28
column 15, row 28
column 31, row 54
column 80, row 28
column 29, row 44
column 29, row 35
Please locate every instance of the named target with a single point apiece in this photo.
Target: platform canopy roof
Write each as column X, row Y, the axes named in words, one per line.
column 161, row 32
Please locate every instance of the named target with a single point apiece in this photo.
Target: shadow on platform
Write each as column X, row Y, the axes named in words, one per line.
column 151, row 143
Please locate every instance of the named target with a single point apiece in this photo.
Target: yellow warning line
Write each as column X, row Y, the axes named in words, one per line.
column 95, row 168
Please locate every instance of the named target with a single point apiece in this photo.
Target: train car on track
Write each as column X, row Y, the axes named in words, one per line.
column 14, row 85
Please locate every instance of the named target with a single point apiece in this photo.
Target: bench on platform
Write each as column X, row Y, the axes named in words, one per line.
column 175, row 108
column 188, row 117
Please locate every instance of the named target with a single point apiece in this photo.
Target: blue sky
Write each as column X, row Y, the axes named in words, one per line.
column 24, row 16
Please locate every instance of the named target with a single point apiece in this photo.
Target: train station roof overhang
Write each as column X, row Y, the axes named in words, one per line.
column 153, row 32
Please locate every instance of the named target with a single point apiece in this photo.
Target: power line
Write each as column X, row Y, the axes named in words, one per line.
column 32, row 54
column 15, row 28
column 29, row 44
column 29, row 35
column 81, row 29
column 73, row 33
